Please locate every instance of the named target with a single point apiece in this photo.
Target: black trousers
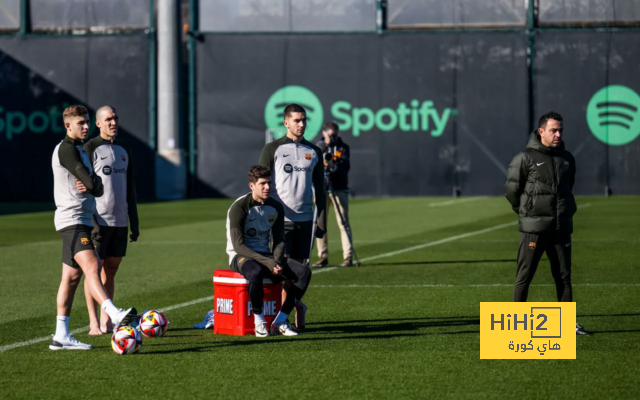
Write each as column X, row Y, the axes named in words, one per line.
column 298, row 274
column 558, row 249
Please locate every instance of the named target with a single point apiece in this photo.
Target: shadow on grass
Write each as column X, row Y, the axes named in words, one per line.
column 622, row 331
column 346, row 330
column 510, row 260
column 608, row 315
column 385, row 326
column 368, row 321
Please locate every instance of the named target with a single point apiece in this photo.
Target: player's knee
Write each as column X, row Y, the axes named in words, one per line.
column 74, row 279
column 305, row 274
column 252, row 272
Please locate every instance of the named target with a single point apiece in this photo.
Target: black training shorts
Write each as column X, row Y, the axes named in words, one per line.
column 111, row 241
column 298, row 239
column 75, row 238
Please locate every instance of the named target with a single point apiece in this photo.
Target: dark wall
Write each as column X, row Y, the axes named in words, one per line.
column 480, row 80
column 39, row 76
column 570, row 68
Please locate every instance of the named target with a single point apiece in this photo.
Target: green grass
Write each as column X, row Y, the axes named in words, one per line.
column 369, row 334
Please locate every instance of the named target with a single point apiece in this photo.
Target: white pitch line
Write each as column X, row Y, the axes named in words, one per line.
column 86, row 328
column 437, row 242
column 456, row 201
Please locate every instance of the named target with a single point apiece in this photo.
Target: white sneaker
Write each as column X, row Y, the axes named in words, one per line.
column 261, row 329
column 68, row 343
column 124, row 317
column 283, row 329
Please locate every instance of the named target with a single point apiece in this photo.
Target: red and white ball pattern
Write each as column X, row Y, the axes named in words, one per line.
column 126, row 340
column 153, row 323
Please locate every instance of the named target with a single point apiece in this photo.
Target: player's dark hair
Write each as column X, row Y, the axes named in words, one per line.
column 542, row 122
column 258, row 172
column 293, row 107
column 330, row 125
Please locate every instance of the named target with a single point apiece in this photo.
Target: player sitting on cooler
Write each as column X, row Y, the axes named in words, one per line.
column 252, row 221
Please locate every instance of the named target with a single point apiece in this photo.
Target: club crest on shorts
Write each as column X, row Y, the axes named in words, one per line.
column 272, row 218
column 123, row 157
column 84, row 240
column 566, row 163
column 532, row 245
column 307, row 156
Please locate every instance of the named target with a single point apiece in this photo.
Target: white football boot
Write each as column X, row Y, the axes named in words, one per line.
column 283, row 329
column 261, row 329
column 124, row 318
column 68, row 343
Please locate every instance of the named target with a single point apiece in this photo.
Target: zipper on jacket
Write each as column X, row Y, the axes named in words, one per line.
column 112, row 153
column 555, row 189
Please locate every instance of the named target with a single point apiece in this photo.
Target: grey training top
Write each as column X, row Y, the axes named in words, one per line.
column 69, row 162
column 297, row 175
column 250, row 227
column 111, row 160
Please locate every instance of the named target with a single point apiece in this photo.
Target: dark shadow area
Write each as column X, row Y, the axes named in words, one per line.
column 401, row 326
column 608, row 315
column 353, row 330
column 369, row 321
column 621, row 331
column 205, row 346
column 439, row 262
column 31, row 117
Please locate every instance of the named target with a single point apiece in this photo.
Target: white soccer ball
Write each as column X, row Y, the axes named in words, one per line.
column 153, row 323
column 126, row 340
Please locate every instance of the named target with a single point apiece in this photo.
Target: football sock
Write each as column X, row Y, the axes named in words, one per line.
column 281, row 318
column 258, row 318
column 110, row 309
column 62, row 326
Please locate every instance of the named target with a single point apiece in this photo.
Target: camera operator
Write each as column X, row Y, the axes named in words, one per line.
column 336, row 167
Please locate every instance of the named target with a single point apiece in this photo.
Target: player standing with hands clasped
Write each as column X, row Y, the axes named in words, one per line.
column 297, row 177
column 75, row 186
column 116, row 209
column 539, row 187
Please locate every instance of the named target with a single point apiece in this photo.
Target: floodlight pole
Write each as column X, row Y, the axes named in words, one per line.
column 171, row 182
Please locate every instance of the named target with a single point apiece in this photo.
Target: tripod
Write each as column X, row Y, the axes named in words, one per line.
column 346, row 225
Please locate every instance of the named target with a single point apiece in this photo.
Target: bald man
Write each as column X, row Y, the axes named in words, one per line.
column 116, row 210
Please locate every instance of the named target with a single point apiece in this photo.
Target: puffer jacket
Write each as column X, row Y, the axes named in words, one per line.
column 539, row 187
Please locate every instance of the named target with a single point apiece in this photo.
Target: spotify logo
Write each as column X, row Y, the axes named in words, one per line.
column 274, row 110
column 613, row 115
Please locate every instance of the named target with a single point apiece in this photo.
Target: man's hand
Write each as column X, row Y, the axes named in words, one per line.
column 81, row 187
column 277, row 270
column 134, row 235
column 328, row 164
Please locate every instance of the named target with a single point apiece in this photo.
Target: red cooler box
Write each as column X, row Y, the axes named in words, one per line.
column 232, row 305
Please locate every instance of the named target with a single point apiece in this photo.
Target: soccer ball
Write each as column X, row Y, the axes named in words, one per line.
column 153, row 323
column 126, row 340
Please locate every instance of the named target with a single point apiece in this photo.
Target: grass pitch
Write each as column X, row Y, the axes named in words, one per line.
column 404, row 325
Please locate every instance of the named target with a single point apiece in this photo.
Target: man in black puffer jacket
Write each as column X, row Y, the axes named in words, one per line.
column 539, row 187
